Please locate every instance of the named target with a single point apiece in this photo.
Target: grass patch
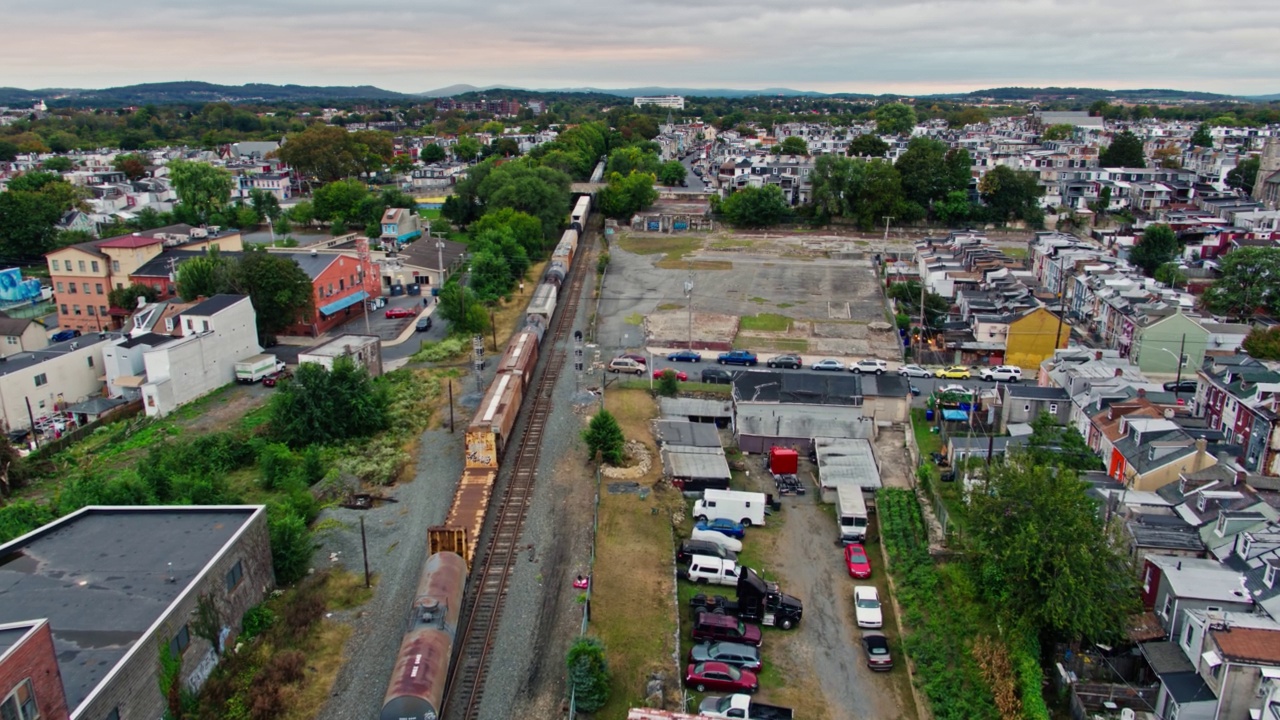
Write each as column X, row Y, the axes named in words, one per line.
column 765, row 322
column 448, row 349
column 1017, row 253
column 669, row 264
column 685, row 387
column 732, row 244
column 675, row 247
column 671, row 306
column 926, row 440
column 785, row 305
column 759, row 300
column 634, row 319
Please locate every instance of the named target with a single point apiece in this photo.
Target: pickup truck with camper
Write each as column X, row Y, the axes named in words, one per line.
column 758, row 601
column 710, row 569
column 746, row 508
column 740, row 706
column 852, row 507
column 256, row 367
column 738, row 357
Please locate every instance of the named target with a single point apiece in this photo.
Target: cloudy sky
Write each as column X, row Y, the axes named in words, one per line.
column 907, row 46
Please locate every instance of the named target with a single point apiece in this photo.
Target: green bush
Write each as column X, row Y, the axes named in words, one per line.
column 604, row 436
column 1024, row 653
column 447, row 349
column 277, row 464
column 21, row 517
column 668, row 384
column 291, row 544
column 588, row 674
column 257, row 620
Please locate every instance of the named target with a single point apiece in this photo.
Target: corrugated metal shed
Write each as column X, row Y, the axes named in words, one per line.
column 846, row 463
column 675, row 408
column 695, row 462
column 761, row 425
column 683, row 432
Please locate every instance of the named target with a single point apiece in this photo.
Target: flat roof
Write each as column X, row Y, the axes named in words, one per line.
column 701, row 463
column 102, row 577
column 341, row 345
column 23, row 360
column 847, row 462
column 12, row 634
column 685, row 433
column 694, row 407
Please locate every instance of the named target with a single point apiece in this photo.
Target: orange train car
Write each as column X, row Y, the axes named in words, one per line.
column 521, row 356
column 416, row 689
column 496, row 415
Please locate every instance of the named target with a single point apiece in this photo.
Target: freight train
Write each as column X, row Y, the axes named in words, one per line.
column 417, row 685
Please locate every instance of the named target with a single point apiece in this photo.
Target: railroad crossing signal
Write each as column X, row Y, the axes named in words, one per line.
column 577, row 351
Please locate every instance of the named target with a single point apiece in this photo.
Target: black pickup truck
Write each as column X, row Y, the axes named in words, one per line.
column 758, row 601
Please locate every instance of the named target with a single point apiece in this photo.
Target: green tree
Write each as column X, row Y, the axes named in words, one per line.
column 1263, row 343
column 265, row 204
column 672, row 173
column 27, row 224
column 328, row 153
column 895, row 119
column 1157, row 246
column 466, row 149
column 460, row 307
column 524, row 187
column 203, row 189
column 906, row 295
column 1170, row 274
column 633, row 158
column 490, row 276
column 133, row 166
column 1244, row 175
column 1042, row 556
column 303, row 213
column 955, row 209
column 203, row 276
column 1249, row 283
column 588, row 674
column 1011, row 193
column 604, row 437
column 339, row 202
column 668, row 383
column 59, row 163
column 624, row 196
column 1061, row 131
column 930, row 171
column 126, row 298
column 1054, row 444
column 8, row 151
column 525, row 228
column 432, row 153
column 1201, row 137
column 291, row 543
column 1125, row 151
column 280, row 291
column 321, row 406
column 756, row 207
column 868, row 145
column 792, row 145
column 863, row 190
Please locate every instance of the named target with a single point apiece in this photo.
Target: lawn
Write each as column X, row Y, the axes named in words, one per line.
column 674, row 247
column 926, row 440
column 765, row 322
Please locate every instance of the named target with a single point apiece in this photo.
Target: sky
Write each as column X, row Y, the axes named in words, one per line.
column 872, row 46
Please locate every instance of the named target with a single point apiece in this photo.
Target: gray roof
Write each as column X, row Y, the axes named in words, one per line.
column 1164, row 533
column 1036, row 392
column 1201, row 579
column 885, row 386
column 12, row 326
column 796, row 421
column 101, row 577
column 799, row 388
column 1187, row 687
column 313, row 265
column 1166, row 657
column 694, row 407
column 96, row 406
column 695, row 462
column 846, row 462
column 214, row 305
column 683, row 432
column 9, row 636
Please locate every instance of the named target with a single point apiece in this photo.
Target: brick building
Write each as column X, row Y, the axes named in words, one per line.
column 109, row 611
column 339, row 282
column 30, row 683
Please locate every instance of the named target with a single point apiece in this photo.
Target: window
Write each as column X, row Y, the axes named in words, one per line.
column 54, row 265
column 115, row 266
column 63, row 309
column 95, row 265
column 233, row 575
column 21, row 703
column 180, row 641
column 342, row 284
column 75, row 309
column 1053, row 408
column 1186, row 635
column 11, row 340
column 102, row 309
column 59, row 287
column 86, row 288
column 1168, row 606
column 71, row 288
column 1026, row 407
column 80, row 263
column 42, row 379
column 1269, row 579
column 98, row 288
column 89, row 309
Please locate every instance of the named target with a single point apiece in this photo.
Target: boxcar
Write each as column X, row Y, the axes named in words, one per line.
column 536, row 325
column 521, row 356
column 498, row 410
column 578, row 219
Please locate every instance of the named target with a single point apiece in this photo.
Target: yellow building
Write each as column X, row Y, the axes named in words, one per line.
column 1031, row 339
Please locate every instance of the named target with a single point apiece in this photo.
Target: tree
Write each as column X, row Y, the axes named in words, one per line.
column 907, row 297
column 955, row 209
column 633, row 158
column 58, row 164
column 604, row 436
column 895, row 119
column 203, row 189
column 1263, row 344
column 1250, row 282
column 1168, row 157
column 522, row 186
column 328, row 153
column 525, row 228
column 280, row 291
column 668, row 383
column 756, row 207
column 126, row 298
column 490, row 276
column 8, row 151
column 321, row 406
column 27, row 224
column 466, row 149
column 1170, row 274
column 1054, row 444
column 460, row 307
column 338, row 201
column 203, row 276
column 432, row 153
column 868, row 145
column 133, row 166
column 588, row 674
column 1244, row 175
column 291, row 543
column 1011, row 193
column 265, row 204
column 930, row 171
column 624, row 196
column 1125, row 151
column 1157, row 246
column 672, row 173
column 1042, row 556
column 1061, row 131
column 792, row 145
column 1201, row 137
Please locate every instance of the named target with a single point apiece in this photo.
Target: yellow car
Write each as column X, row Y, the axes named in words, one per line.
column 955, row 372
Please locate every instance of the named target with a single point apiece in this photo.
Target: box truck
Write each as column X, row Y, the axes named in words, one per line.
column 254, row 368
column 742, row 507
column 853, row 514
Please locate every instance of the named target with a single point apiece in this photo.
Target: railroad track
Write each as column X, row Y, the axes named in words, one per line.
column 495, row 563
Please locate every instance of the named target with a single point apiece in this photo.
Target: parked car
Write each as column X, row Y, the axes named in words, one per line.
column 791, row 362
column 828, row 364
column 721, row 677
column 738, row 357
column 723, row 526
column 877, row 647
column 866, row 607
column 397, row 312
column 729, row 653
column 62, row 335
column 1184, row 386
column 955, row 372
column 274, row 378
column 914, row 371
column 870, row 365
column 713, row 627
column 855, row 559
column 680, row 374
column 689, row 548
column 953, row 389
column 685, row 356
column 635, row 356
column 1002, row 373
column 423, row 325
column 626, row 365
column 718, row 376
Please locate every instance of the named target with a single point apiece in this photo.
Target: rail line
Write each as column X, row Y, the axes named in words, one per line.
column 489, row 587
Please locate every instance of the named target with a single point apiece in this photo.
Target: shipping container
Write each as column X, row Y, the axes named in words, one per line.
column 784, row 461
column 521, row 356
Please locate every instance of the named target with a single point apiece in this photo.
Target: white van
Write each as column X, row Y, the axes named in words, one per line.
column 742, row 507
column 853, row 514
column 707, row 569
column 719, row 538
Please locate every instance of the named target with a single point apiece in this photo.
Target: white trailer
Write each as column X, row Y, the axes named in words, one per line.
column 853, row 514
column 717, row 571
column 743, row 507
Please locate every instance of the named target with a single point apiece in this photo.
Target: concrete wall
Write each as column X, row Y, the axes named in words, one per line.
column 35, row 659
column 133, row 687
column 198, row 364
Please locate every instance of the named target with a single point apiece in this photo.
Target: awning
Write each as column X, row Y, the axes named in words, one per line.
column 955, row 415
column 1271, row 672
column 344, row 303
column 130, row 381
column 1212, row 659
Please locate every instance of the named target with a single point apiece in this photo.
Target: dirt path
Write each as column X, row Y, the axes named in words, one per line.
column 891, row 452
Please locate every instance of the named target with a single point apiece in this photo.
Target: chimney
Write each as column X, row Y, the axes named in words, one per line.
column 1142, row 393
column 1119, row 372
column 1097, row 355
column 1201, row 456
column 1240, row 476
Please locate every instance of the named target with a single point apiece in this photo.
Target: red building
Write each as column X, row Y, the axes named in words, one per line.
column 30, row 682
column 341, row 282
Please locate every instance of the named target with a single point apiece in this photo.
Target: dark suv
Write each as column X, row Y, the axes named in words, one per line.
column 725, row 628
column 786, row 361
column 718, row 376
column 689, row 548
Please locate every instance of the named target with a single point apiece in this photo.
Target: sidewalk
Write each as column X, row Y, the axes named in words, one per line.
column 412, row 327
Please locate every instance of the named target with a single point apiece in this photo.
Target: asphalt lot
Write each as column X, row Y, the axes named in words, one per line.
column 390, row 329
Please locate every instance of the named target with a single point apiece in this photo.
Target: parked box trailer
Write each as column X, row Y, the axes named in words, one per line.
column 743, row 507
column 853, row 514
column 784, row 461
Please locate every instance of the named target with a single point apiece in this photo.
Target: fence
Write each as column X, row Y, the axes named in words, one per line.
column 1087, row 699
column 53, row 447
column 586, row 605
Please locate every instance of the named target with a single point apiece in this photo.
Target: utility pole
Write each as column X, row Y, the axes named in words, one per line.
column 922, row 326
column 1062, row 311
column 688, row 294
column 1177, row 388
column 887, row 218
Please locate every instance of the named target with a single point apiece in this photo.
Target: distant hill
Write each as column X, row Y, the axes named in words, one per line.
column 1264, row 98
column 1055, row 94
column 192, row 92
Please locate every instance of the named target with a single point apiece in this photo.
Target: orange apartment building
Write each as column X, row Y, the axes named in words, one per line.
column 81, row 275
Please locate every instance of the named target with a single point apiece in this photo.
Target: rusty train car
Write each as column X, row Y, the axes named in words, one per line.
column 417, row 684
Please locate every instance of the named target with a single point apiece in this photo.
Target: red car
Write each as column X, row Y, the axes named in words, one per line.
column 855, row 558
column 393, row 313
column 681, row 375
column 274, row 378
column 637, row 357
column 719, row 677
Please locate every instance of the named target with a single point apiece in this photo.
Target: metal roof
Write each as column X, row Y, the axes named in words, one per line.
column 691, row 462
column 683, row 432
column 795, row 421
column 847, row 463
column 673, row 408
